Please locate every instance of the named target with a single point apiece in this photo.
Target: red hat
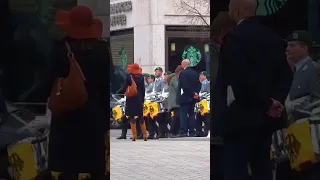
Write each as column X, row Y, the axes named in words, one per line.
column 135, row 68
column 129, row 67
column 78, row 23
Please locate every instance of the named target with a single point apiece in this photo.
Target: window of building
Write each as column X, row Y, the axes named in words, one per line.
column 194, row 49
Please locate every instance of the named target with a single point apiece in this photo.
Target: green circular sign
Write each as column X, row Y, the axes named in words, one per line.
column 193, row 54
column 269, row 7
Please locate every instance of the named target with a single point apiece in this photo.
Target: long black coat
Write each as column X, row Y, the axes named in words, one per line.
column 253, row 62
column 134, row 105
column 77, row 141
column 190, row 84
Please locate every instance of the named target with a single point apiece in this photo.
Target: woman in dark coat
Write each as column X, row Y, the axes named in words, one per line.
column 134, row 105
column 220, row 27
column 77, row 141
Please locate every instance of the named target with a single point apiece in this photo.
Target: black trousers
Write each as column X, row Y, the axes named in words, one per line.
column 4, row 164
column 310, row 172
column 203, row 119
column 163, row 121
column 216, row 162
column 152, row 126
column 175, row 121
column 240, row 151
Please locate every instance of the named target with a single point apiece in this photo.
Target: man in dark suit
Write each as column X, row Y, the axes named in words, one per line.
column 188, row 88
column 252, row 84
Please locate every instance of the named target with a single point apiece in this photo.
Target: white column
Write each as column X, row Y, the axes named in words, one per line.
column 149, row 47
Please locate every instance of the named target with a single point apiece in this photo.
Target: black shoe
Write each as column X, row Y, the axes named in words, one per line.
column 140, row 137
column 192, row 134
column 122, row 137
column 151, row 137
column 200, row 134
column 161, row 136
column 182, row 135
column 172, row 136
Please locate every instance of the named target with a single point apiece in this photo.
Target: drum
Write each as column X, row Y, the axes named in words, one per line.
column 146, row 110
column 155, row 108
column 301, row 142
column 204, row 107
column 28, row 158
column 117, row 112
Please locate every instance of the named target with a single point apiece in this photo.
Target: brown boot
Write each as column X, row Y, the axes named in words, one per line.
column 144, row 130
column 133, row 127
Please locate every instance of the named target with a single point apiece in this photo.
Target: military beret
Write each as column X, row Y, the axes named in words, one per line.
column 204, row 73
column 167, row 73
column 158, row 68
column 152, row 76
column 146, row 74
column 300, row 35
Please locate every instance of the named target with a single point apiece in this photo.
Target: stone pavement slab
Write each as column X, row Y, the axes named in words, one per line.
column 160, row 160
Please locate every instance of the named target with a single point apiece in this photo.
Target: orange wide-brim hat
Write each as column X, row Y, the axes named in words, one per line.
column 129, row 67
column 134, row 68
column 78, row 23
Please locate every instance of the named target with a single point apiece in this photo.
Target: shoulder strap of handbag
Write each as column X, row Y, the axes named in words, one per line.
column 72, row 59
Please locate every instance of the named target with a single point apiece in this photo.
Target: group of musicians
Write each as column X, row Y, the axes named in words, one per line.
column 167, row 82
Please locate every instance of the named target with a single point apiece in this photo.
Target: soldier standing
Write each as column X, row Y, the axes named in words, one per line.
column 305, row 87
column 205, row 88
column 158, row 87
column 159, row 82
column 150, row 80
column 152, row 125
column 205, row 84
column 306, row 80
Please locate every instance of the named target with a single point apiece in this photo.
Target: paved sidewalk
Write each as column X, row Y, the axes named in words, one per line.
column 160, row 159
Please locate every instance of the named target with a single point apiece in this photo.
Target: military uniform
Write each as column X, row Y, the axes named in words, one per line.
column 159, row 85
column 152, row 125
column 205, row 88
column 306, row 79
column 305, row 90
column 145, row 75
column 150, row 86
column 163, row 119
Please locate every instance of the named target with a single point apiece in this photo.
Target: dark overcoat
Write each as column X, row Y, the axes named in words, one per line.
column 77, row 142
column 189, row 84
column 134, row 105
column 253, row 63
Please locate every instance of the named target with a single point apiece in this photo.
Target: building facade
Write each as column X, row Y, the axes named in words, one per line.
column 157, row 33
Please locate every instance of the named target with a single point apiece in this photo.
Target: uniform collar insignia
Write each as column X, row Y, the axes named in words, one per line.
column 305, row 67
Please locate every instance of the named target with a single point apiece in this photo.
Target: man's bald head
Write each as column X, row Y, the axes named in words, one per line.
column 242, row 9
column 185, row 63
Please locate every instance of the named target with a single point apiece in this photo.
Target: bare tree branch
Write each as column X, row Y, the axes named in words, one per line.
column 193, row 10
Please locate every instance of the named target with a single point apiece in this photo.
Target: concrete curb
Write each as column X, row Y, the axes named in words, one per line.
column 113, row 139
column 185, row 139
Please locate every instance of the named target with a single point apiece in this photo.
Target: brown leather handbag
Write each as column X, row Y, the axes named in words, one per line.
column 69, row 93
